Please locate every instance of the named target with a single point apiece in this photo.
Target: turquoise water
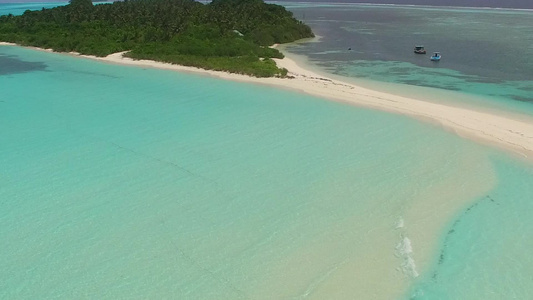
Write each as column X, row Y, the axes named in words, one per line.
column 483, row 249
column 123, row 182
column 18, row 8
column 493, row 235
column 21, row 7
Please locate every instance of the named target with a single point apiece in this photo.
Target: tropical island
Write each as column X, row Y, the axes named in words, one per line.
column 224, row 35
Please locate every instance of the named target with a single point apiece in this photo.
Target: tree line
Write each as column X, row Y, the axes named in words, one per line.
column 227, row 35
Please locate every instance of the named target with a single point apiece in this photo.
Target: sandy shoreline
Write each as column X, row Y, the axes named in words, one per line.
column 499, row 130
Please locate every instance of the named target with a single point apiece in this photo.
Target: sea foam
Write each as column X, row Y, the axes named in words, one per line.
column 404, row 249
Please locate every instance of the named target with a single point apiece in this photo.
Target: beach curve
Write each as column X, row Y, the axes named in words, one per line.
column 502, row 131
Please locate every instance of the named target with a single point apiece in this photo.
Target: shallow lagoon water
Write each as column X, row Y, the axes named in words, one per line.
column 483, row 249
column 122, row 182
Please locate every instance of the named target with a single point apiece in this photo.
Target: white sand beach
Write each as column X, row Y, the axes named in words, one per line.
column 501, row 130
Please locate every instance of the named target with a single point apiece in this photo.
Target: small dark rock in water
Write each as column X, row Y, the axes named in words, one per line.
column 349, row 48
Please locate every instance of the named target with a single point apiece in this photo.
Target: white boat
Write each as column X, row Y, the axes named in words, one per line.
column 436, row 56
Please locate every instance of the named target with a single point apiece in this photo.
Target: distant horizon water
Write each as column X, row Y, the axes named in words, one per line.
column 517, row 4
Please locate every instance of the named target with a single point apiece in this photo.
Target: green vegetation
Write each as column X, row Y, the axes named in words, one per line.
column 229, row 35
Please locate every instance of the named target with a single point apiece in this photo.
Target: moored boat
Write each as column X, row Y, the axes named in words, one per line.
column 436, row 56
column 420, row 50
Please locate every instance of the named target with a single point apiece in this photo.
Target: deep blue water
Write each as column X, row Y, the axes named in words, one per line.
column 485, row 52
